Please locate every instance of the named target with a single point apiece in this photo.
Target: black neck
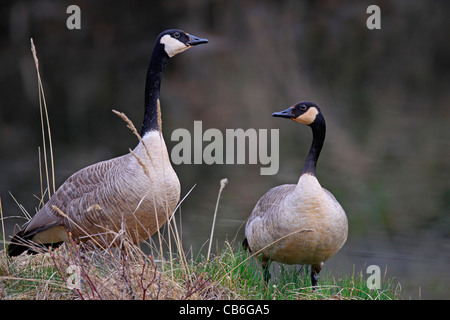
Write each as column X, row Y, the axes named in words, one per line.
column 318, row 129
column 153, row 83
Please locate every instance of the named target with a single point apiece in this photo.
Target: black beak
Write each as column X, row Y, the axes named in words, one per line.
column 193, row 40
column 284, row 114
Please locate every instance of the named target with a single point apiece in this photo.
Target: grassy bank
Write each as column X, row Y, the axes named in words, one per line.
column 129, row 273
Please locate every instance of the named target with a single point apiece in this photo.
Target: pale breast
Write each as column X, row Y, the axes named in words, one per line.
column 301, row 224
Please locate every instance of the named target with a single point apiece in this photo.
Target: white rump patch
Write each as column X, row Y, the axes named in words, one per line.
column 172, row 45
column 53, row 235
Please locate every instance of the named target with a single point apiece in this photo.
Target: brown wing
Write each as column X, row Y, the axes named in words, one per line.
column 271, row 200
column 75, row 196
column 268, row 203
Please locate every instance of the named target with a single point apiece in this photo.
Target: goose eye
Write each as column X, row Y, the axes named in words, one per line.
column 176, row 35
column 303, row 107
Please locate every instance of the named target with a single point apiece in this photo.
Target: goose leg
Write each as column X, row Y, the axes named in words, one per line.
column 266, row 274
column 315, row 270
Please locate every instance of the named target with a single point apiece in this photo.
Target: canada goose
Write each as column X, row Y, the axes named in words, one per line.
column 302, row 223
column 125, row 193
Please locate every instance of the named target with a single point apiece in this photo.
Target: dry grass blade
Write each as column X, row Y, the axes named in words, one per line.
column 129, row 123
column 133, row 129
column 21, row 207
column 159, row 117
column 3, row 226
column 141, row 163
column 223, row 183
column 43, row 109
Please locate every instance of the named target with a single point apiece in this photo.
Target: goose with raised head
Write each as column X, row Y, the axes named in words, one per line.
column 135, row 193
column 299, row 223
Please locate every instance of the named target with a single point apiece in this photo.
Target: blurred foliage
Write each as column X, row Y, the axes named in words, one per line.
column 384, row 93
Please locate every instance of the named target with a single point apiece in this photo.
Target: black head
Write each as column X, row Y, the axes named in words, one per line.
column 175, row 41
column 302, row 112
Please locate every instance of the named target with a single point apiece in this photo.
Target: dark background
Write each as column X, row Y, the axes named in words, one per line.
column 384, row 93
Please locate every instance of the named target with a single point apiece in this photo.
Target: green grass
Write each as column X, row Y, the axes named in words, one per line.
column 242, row 275
column 132, row 274
column 30, row 278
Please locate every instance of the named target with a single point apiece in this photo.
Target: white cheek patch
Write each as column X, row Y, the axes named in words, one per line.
column 172, row 46
column 308, row 117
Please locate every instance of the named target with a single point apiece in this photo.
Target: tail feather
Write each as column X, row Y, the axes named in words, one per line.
column 18, row 244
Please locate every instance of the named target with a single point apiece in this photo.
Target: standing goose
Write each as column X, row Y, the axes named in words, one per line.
column 136, row 192
column 302, row 223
